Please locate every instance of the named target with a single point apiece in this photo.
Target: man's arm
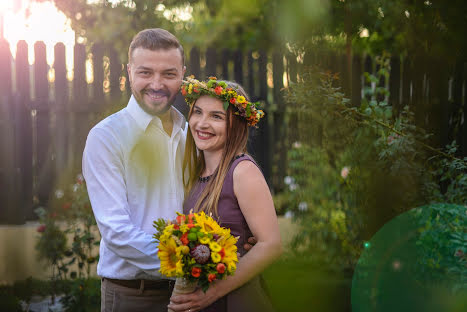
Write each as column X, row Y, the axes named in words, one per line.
column 103, row 170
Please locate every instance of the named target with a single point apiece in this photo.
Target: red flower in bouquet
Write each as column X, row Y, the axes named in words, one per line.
column 196, row 272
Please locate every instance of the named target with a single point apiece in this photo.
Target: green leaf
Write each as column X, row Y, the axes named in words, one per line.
column 226, row 105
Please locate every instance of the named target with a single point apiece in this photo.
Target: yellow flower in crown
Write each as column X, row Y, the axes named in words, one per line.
column 241, row 99
column 170, row 256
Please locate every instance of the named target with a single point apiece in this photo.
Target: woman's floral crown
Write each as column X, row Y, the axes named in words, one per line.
column 192, row 89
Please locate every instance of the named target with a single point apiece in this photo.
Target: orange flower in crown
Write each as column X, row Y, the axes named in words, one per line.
column 192, row 89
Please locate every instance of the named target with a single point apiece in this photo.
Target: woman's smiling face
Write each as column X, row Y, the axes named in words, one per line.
column 208, row 124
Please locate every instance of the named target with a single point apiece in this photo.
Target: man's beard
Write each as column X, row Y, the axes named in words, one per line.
column 139, row 96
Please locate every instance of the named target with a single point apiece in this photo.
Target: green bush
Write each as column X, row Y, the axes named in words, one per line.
column 70, row 214
column 352, row 169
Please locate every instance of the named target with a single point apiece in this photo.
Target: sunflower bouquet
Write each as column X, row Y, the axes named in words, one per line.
column 195, row 249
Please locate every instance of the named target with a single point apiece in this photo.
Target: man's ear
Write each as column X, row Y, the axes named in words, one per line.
column 183, row 72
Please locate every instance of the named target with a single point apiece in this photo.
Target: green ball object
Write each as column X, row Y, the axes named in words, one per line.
column 192, row 237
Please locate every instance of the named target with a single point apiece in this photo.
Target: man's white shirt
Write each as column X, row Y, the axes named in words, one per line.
column 132, row 183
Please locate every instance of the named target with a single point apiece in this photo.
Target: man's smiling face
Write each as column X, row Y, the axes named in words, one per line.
column 155, row 78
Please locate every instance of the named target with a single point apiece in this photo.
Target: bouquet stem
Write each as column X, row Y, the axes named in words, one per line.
column 183, row 286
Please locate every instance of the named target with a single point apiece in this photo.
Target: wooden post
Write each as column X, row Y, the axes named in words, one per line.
column 115, row 74
column 263, row 155
column 356, row 80
column 438, row 107
column 458, row 107
column 406, row 82
column 24, row 134
column 61, row 108
column 44, row 151
column 250, row 84
column 394, row 85
column 344, row 75
column 98, row 70
column 211, row 62
column 195, row 67
column 280, row 133
column 8, row 191
column 367, row 68
column 293, row 118
column 420, row 107
column 238, row 66
column 80, row 107
column 225, row 64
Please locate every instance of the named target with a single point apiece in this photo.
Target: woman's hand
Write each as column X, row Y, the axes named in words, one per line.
column 193, row 302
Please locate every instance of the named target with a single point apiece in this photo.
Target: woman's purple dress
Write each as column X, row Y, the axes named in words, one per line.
column 252, row 296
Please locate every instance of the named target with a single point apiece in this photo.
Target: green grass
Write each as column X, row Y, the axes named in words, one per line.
column 297, row 284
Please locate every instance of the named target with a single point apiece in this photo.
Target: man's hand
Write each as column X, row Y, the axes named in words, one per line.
column 250, row 243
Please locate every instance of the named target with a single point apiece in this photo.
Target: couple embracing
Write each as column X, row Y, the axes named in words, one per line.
column 146, row 162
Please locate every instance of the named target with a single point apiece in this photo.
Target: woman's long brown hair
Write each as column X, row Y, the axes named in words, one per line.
column 193, row 161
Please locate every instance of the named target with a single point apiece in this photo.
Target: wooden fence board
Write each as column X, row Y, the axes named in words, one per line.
column 238, row 66
column 61, row 111
column 44, row 152
column 394, row 84
column 356, row 80
column 195, row 66
column 211, row 63
column 23, row 130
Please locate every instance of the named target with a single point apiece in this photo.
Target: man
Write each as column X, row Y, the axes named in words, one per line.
column 132, row 167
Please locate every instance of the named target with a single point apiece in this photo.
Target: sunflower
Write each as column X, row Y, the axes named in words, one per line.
column 170, row 255
column 207, row 223
column 228, row 251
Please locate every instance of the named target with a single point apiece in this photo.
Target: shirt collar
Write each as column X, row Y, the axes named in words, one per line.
column 143, row 119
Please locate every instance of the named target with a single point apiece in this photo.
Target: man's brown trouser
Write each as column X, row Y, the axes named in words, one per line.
column 118, row 298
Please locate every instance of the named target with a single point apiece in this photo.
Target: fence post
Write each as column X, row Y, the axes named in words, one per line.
column 238, row 66
column 420, row 106
column 211, row 62
column 62, row 120
column 356, row 80
column 367, row 68
column 263, row 133
column 44, row 151
column 115, row 73
column 195, row 67
column 394, row 84
column 250, row 84
column 345, row 75
column 406, row 82
column 98, row 71
column 24, row 133
column 457, row 118
column 293, row 117
column 280, row 133
column 8, row 176
column 225, row 64
column 438, row 105
column 80, row 106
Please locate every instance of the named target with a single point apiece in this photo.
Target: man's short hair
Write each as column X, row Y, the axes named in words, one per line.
column 155, row 39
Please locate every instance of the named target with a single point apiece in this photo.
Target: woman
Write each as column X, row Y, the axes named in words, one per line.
column 226, row 182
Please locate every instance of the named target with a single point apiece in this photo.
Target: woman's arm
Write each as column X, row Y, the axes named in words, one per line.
column 256, row 203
